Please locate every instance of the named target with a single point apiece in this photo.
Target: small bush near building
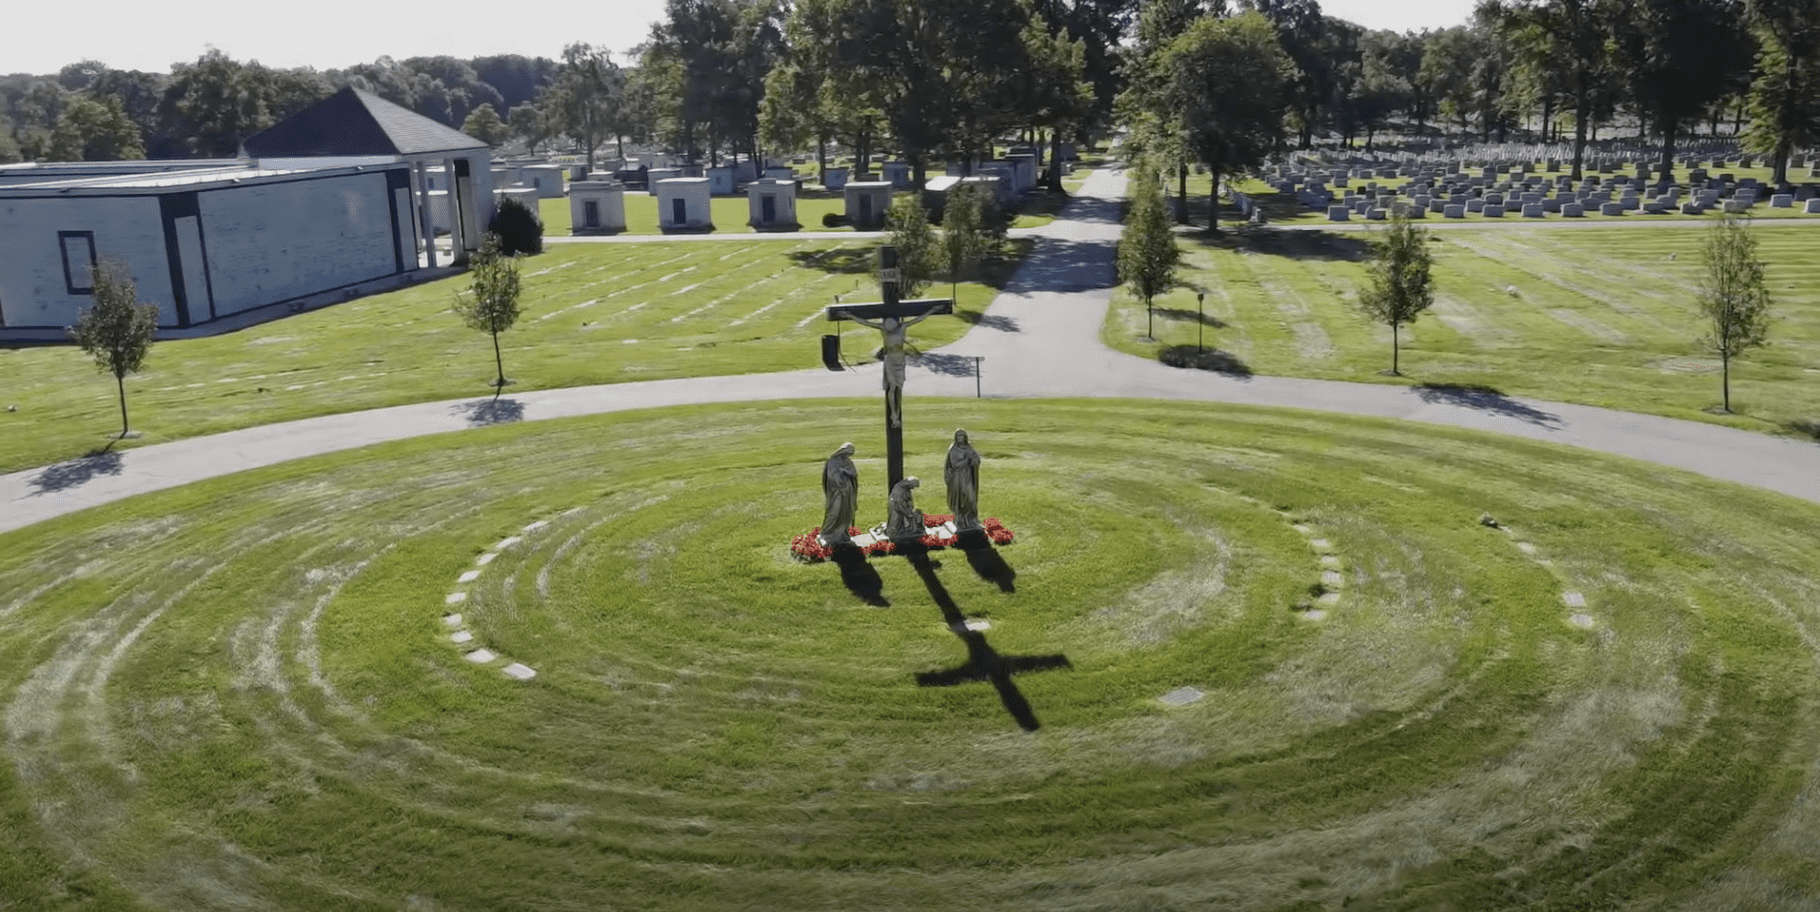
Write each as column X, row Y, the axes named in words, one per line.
column 519, row 229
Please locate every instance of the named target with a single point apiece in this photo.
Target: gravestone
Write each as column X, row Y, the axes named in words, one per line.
column 897, row 174
column 720, row 181
column 1338, row 213
column 597, row 207
column 1572, row 210
column 836, row 179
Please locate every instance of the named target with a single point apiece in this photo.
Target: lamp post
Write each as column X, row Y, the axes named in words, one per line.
column 1200, row 321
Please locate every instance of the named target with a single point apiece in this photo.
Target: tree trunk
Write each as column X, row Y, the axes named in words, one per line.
column 499, row 363
column 821, row 160
column 120, row 381
column 1725, row 370
column 1668, row 150
column 1181, row 193
column 1394, row 368
column 1582, row 110
column 1213, row 201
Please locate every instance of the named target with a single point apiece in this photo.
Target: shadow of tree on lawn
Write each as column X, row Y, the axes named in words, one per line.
column 486, row 412
column 1212, row 360
column 77, row 472
column 1484, row 399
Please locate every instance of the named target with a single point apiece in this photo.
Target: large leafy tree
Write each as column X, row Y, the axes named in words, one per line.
column 483, row 123
column 95, row 130
column 1155, row 133
column 116, row 330
column 584, row 100
column 1222, row 86
column 1303, row 32
column 709, row 60
column 1732, row 296
column 1399, row 285
column 935, row 72
column 919, row 254
column 1785, row 98
column 1676, row 57
column 1573, row 37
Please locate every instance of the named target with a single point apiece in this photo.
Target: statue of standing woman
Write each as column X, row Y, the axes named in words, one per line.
column 962, row 473
column 840, row 487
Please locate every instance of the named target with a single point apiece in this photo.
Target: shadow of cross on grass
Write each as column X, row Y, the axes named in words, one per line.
column 984, row 664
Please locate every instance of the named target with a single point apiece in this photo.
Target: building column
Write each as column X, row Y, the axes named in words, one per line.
column 420, row 181
column 458, row 213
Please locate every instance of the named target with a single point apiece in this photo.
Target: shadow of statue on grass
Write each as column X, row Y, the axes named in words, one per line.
column 1485, row 399
column 77, row 472
column 859, row 576
column 984, row 664
column 986, row 561
column 487, row 412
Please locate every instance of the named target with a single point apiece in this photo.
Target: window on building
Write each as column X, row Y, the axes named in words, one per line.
column 78, row 261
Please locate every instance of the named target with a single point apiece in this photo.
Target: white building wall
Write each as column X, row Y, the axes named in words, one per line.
column 275, row 241
column 33, row 292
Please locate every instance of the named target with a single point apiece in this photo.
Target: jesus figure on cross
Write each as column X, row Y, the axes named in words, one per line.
column 893, row 327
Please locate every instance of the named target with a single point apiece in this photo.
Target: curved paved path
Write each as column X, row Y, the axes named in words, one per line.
column 1039, row 338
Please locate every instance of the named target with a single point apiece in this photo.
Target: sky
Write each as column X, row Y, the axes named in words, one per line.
column 37, row 36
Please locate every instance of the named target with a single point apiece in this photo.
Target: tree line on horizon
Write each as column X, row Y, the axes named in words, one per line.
column 944, row 79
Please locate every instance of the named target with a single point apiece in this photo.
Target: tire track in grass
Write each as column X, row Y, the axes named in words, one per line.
column 1612, row 299
column 1312, row 343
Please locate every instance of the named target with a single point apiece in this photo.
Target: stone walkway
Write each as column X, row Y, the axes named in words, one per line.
column 1040, row 338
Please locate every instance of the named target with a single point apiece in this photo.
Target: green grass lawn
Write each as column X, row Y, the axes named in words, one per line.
column 1603, row 317
column 594, row 313
column 244, row 693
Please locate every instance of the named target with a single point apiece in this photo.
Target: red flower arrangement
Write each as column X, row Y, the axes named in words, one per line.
column 809, row 547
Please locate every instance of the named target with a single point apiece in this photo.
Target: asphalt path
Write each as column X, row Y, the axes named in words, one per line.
column 1040, row 338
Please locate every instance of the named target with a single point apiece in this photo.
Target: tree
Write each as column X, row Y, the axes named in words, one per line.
column 1222, row 87
column 585, row 96
column 529, row 124
column 1147, row 256
column 1571, row 36
column 117, row 331
column 964, row 238
column 918, row 255
column 483, row 123
column 92, row 130
column 1785, row 98
column 490, row 303
column 1732, row 295
column 1398, row 281
column 1678, row 57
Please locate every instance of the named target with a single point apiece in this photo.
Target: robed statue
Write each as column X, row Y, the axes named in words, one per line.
column 904, row 520
column 962, row 473
column 840, row 488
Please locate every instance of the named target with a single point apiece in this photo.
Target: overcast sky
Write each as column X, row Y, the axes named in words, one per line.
column 37, row 36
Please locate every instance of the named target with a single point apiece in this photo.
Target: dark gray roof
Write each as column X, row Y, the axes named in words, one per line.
column 352, row 122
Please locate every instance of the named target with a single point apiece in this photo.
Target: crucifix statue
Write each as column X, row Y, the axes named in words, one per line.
column 891, row 318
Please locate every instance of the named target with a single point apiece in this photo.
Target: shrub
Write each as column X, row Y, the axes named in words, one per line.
column 833, row 220
column 519, row 229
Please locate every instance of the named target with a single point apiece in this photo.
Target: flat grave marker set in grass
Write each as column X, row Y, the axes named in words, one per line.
column 243, row 693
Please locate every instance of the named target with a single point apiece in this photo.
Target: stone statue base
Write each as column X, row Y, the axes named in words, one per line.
column 938, row 532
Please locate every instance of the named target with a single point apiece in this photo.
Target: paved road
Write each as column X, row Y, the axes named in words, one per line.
column 1039, row 338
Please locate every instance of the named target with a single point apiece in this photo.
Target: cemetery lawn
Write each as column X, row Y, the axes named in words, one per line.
column 1600, row 316
column 594, row 313
column 245, row 693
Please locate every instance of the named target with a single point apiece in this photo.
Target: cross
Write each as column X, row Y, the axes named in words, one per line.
column 891, row 317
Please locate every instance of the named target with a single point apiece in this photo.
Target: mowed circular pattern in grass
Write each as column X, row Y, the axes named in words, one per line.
column 244, row 694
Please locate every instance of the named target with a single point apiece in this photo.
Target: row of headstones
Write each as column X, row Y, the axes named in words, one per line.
column 1434, row 192
column 1607, row 155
